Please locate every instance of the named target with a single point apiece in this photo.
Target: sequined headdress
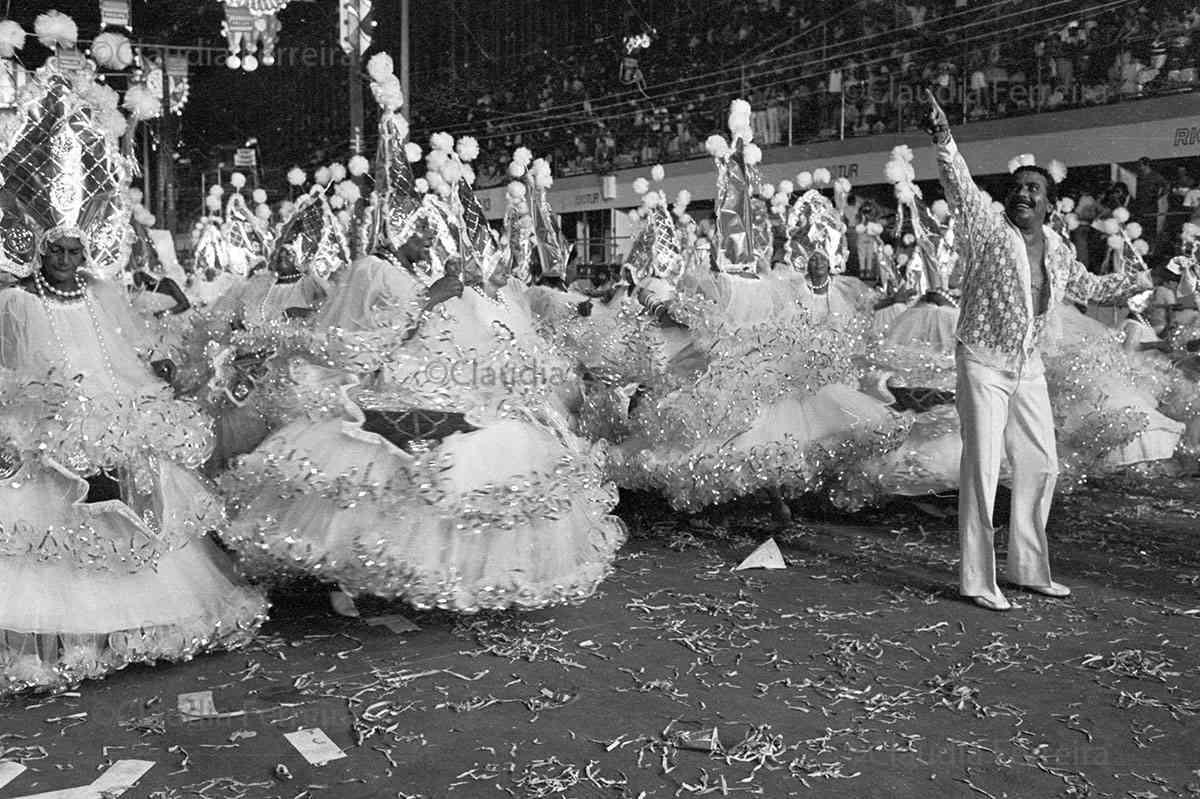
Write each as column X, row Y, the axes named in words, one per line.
column 66, row 173
column 245, row 232
column 814, row 225
column 451, row 177
column 656, row 250
column 313, row 236
column 743, row 231
column 401, row 204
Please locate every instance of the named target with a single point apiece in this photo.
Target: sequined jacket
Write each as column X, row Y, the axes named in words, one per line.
column 997, row 324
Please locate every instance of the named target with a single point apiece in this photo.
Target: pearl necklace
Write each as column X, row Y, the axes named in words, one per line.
column 289, row 278
column 80, row 294
column 821, row 287
column 44, row 288
column 498, row 298
column 262, row 306
column 1140, row 318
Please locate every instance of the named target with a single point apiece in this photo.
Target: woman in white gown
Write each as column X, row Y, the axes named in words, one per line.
column 761, row 399
column 257, row 323
column 450, row 480
column 104, row 555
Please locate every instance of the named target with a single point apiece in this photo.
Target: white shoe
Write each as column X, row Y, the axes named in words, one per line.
column 1057, row 590
column 997, row 602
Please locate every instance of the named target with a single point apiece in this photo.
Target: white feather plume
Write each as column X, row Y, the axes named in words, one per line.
column 358, row 165
column 55, row 29
column 12, row 38
column 716, row 146
column 467, row 148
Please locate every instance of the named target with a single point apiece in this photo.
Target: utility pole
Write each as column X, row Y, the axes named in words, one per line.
column 356, row 97
column 165, row 211
column 406, row 108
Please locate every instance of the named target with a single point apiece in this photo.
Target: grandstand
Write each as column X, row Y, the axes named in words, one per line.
column 1096, row 86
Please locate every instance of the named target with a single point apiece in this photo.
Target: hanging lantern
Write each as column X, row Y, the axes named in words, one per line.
column 151, row 74
column 251, row 25
column 115, row 14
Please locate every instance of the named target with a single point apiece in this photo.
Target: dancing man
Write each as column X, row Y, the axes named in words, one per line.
column 1015, row 272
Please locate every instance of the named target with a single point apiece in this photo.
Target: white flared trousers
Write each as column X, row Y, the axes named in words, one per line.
column 999, row 412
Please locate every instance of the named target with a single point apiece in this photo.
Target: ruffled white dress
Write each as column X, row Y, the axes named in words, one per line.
column 1105, row 399
column 510, row 510
column 251, row 318
column 763, row 397
column 90, row 587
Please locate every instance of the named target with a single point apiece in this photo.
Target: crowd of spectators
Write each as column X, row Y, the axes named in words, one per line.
column 810, row 73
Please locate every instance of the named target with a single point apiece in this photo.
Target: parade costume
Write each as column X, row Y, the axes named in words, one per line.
column 103, row 556
column 760, row 396
column 441, row 479
column 249, row 334
column 1001, row 394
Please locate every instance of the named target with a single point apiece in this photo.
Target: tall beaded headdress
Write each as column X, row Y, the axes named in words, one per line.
column 656, row 250
column 814, row 225
column 66, row 172
column 402, row 205
column 743, row 231
column 314, row 237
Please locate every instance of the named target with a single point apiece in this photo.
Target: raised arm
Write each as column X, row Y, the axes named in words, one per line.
column 1087, row 287
column 967, row 202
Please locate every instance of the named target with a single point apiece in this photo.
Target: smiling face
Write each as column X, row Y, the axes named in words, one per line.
column 1138, row 303
column 1027, row 199
column 62, row 259
column 819, row 267
column 416, row 249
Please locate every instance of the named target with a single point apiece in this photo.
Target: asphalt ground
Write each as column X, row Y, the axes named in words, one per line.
column 857, row 671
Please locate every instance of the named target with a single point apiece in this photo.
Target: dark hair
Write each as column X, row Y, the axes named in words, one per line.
column 1051, row 186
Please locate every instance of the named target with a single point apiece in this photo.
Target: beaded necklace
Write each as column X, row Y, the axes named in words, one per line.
column 821, row 287
column 73, row 297
column 280, row 280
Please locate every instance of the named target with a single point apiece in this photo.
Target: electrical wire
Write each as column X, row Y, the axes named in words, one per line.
column 1039, row 24
column 618, row 98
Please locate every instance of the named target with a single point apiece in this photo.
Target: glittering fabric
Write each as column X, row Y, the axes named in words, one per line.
column 64, row 172
column 317, row 242
column 506, row 509
column 998, row 315
column 753, row 396
column 655, row 251
column 743, row 232
column 91, row 586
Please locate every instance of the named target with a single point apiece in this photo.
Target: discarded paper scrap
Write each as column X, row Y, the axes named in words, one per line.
column 197, row 705
column 119, row 778
column 767, row 556
column 315, row 746
column 699, row 740
column 396, row 623
column 9, row 771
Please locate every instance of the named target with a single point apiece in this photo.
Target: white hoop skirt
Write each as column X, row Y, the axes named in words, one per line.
column 130, row 577
column 510, row 510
